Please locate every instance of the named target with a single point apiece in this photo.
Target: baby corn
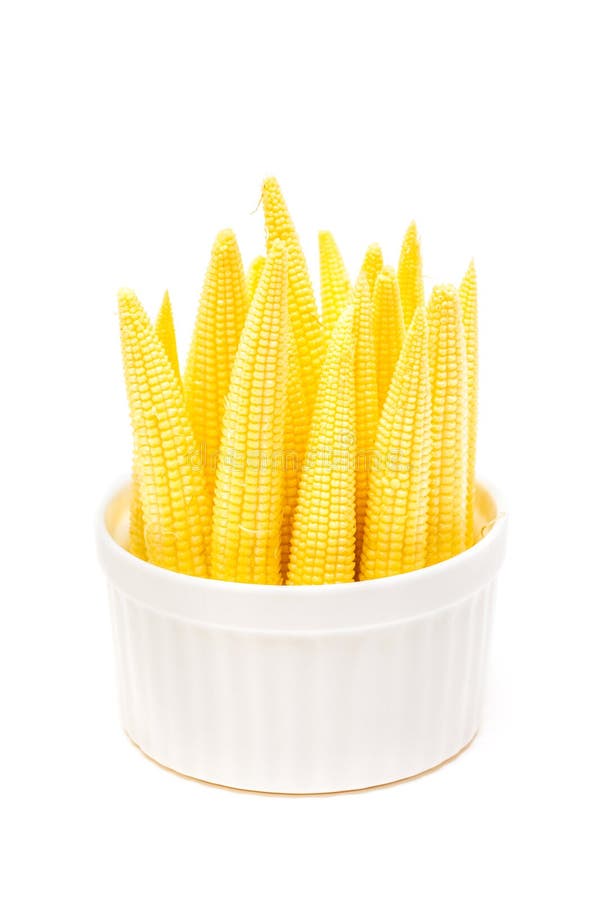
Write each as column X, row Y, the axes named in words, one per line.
column 173, row 492
column 389, row 328
column 395, row 538
column 248, row 502
column 219, row 323
column 372, row 265
column 367, row 403
column 336, row 289
column 323, row 534
column 255, row 270
column 468, row 298
column 448, row 367
column 306, row 330
column 410, row 276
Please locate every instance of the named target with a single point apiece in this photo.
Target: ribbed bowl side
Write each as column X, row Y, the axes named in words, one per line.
column 302, row 712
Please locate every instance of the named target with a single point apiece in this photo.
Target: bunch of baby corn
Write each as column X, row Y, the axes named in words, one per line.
column 299, row 447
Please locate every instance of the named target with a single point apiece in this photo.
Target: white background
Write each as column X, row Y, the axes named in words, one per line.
column 131, row 134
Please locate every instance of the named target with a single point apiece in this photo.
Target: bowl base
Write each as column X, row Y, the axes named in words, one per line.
column 360, row 790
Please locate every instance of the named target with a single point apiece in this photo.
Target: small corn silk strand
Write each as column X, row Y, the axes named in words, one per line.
column 248, row 503
column 367, row 401
column 307, row 334
column 410, row 275
column 219, row 322
column 468, row 302
column 324, row 524
column 253, row 275
column 372, row 265
column 173, row 491
column 389, row 328
column 165, row 331
column 395, row 539
column 448, row 368
column 336, row 289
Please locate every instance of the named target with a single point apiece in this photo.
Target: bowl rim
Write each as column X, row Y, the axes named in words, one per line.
column 274, row 608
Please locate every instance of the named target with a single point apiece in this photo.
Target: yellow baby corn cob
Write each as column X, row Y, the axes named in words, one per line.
column 165, row 330
column 372, row 264
column 367, row 402
column 336, row 289
column 306, row 330
column 137, row 543
column 297, row 426
column 255, row 270
column 323, row 535
column 248, row 502
column 410, row 276
column 448, row 487
column 468, row 298
column 389, row 328
column 174, row 500
column 219, row 322
column 395, row 539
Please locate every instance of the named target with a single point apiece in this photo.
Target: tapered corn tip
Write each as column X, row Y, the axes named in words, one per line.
column 165, row 330
column 326, row 240
column 442, row 295
column 225, row 239
column 127, row 299
column 418, row 326
column 271, row 185
column 131, row 311
column 165, row 312
column 372, row 264
column 410, row 277
column 253, row 275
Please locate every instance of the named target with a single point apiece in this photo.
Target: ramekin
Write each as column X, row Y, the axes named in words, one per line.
column 302, row 689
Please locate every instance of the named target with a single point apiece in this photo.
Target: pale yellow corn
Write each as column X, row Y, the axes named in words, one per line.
column 395, row 539
column 255, row 270
column 137, row 543
column 336, row 290
column 389, row 328
column 173, row 491
column 323, row 535
column 219, row 322
column 367, row 402
column 448, row 367
column 165, row 330
column 297, row 426
column 372, row 265
column 307, row 333
column 248, row 504
column 468, row 298
column 410, row 276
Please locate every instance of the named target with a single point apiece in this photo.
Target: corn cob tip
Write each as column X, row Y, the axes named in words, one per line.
column 270, row 183
column 130, row 308
column 225, row 236
column 442, row 293
column 418, row 324
column 125, row 296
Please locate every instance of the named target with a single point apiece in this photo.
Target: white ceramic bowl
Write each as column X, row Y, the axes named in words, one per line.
column 302, row 689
